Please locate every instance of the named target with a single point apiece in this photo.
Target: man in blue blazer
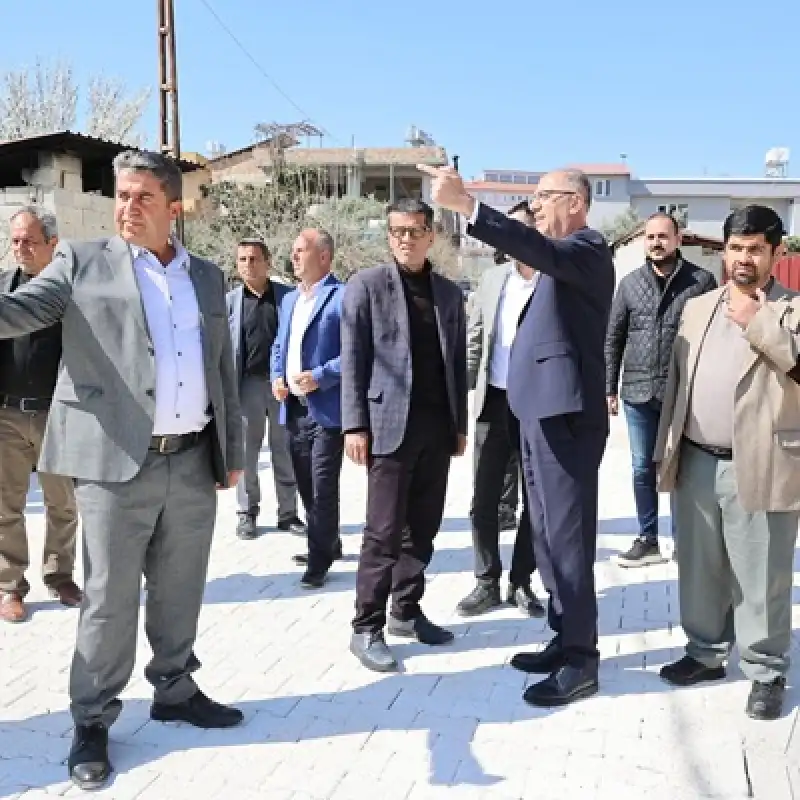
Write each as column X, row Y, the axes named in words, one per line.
column 306, row 377
column 556, row 388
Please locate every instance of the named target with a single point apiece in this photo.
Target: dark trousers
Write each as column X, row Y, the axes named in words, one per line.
column 561, row 460
column 317, row 454
column 405, row 504
column 642, row 419
column 497, row 447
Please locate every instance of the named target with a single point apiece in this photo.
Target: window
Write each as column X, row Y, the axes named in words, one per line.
column 602, row 188
column 533, row 179
column 491, row 177
column 505, row 178
column 519, row 179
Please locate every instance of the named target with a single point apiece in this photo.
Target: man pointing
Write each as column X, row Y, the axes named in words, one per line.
column 556, row 388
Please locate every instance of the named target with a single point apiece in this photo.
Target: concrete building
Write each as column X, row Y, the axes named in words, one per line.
column 67, row 173
column 702, row 203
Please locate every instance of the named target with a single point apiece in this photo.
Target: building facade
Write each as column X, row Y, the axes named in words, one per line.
column 702, row 204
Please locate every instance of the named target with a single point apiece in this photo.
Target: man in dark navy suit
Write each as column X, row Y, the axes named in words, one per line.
column 556, row 388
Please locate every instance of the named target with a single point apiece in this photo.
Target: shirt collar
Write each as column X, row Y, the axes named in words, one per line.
column 181, row 258
column 515, row 274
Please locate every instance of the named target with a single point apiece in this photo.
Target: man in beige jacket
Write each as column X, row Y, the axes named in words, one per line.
column 729, row 449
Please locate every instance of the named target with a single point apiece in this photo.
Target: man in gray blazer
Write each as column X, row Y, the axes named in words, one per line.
column 145, row 417
column 499, row 301
column 404, row 413
column 253, row 319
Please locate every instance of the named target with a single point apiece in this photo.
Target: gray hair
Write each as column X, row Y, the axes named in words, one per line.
column 578, row 181
column 325, row 242
column 46, row 219
column 162, row 167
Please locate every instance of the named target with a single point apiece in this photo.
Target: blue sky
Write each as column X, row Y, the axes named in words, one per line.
column 682, row 88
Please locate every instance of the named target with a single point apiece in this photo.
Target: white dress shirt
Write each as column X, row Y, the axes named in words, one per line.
column 301, row 316
column 516, row 293
column 173, row 318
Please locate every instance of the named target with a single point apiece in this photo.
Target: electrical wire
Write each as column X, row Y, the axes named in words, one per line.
column 264, row 73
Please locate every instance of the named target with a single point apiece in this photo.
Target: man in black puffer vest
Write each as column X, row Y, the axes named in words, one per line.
column 641, row 330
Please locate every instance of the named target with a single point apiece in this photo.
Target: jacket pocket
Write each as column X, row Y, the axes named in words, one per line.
column 545, row 350
column 72, row 393
column 375, row 395
column 789, row 439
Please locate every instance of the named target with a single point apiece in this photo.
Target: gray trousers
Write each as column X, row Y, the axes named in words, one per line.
column 258, row 406
column 158, row 524
column 735, row 570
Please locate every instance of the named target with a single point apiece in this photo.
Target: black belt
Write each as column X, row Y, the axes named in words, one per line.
column 28, row 405
column 724, row 453
column 171, row 445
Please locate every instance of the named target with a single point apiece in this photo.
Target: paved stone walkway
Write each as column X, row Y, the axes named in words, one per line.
column 453, row 725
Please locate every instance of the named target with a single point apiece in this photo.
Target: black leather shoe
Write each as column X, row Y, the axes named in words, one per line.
column 688, row 672
column 563, row 687
column 292, row 525
column 421, row 629
column 372, row 651
column 302, row 558
column 198, row 710
column 481, row 599
column 246, row 529
column 88, row 763
column 525, row 600
column 548, row 660
column 766, row 699
column 313, row 580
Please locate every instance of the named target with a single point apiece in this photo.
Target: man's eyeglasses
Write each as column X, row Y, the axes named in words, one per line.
column 550, row 194
column 415, row 233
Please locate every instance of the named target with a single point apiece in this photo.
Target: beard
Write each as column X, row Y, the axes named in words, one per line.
column 744, row 275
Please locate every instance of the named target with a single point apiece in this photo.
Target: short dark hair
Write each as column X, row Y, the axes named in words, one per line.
column 664, row 215
column 752, row 220
column 165, row 169
column 259, row 243
column 410, row 205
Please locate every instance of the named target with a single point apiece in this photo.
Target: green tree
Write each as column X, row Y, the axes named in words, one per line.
column 792, row 244
column 621, row 225
column 278, row 210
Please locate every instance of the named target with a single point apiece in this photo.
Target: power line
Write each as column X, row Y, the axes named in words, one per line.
column 261, row 69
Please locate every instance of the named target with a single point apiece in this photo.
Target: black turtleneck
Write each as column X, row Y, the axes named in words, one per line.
column 428, row 383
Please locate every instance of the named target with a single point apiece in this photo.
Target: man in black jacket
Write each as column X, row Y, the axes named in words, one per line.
column 644, row 320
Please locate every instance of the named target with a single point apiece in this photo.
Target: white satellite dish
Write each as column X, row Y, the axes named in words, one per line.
column 776, row 162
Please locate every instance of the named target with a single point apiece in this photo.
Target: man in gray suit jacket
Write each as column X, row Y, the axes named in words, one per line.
column 253, row 319
column 499, row 300
column 404, row 413
column 145, row 418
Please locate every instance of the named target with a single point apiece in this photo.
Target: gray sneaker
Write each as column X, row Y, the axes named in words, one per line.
column 641, row 554
column 372, row 651
column 246, row 529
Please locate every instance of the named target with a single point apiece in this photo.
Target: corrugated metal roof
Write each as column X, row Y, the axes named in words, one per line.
column 80, row 143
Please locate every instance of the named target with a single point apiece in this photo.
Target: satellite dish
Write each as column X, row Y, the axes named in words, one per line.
column 776, row 162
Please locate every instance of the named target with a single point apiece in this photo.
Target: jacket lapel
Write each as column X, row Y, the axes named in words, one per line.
column 397, row 299
column 120, row 260
column 323, row 293
column 197, row 275
column 696, row 327
column 440, row 312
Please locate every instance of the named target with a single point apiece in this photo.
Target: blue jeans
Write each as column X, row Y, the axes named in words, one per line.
column 642, row 419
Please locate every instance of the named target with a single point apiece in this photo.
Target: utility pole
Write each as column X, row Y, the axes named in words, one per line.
column 169, row 124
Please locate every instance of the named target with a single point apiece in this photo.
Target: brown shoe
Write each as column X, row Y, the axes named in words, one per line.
column 67, row 593
column 12, row 609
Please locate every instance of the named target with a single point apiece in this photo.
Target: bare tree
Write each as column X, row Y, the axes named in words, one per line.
column 114, row 113
column 623, row 224
column 33, row 102
column 44, row 99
